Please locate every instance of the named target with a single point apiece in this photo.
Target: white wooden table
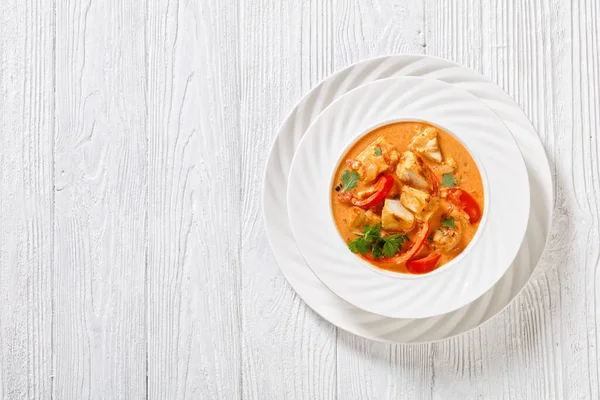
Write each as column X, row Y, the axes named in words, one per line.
column 133, row 257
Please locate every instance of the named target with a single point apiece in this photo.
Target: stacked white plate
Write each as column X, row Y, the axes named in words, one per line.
column 450, row 315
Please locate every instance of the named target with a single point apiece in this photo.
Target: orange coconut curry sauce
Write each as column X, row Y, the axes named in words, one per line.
column 407, row 197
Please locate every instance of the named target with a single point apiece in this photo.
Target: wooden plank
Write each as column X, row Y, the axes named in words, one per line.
column 194, row 200
column 368, row 369
column 100, row 181
column 578, row 199
column 544, row 53
column 26, row 198
column 366, row 29
column 288, row 351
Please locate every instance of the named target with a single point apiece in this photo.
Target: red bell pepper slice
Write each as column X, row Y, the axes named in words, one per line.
column 465, row 202
column 383, row 187
column 423, row 265
column 407, row 255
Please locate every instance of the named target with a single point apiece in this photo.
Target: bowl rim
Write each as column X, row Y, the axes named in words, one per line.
column 465, row 285
column 296, row 270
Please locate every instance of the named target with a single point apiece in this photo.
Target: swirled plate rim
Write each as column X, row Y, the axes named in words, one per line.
column 344, row 315
column 498, row 238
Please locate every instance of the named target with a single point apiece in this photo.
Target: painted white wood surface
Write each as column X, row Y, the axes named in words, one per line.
column 133, row 259
column 26, row 198
column 100, row 186
column 194, row 195
column 287, row 350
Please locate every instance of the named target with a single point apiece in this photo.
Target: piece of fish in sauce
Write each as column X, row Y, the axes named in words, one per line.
column 379, row 157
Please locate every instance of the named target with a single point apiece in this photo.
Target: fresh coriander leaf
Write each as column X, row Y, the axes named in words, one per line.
column 376, row 252
column 372, row 233
column 379, row 247
column 396, row 196
column 449, row 223
column 349, row 179
column 393, row 244
column 378, row 151
column 448, row 180
column 391, row 247
column 359, row 245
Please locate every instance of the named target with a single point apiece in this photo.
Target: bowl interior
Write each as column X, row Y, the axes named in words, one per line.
column 484, row 181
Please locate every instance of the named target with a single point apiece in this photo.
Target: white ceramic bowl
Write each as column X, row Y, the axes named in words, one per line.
column 506, row 207
column 343, row 314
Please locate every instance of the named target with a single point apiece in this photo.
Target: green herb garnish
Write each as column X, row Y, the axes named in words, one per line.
column 372, row 233
column 370, row 240
column 378, row 151
column 349, row 180
column 359, row 245
column 368, row 236
column 448, row 180
column 392, row 244
column 449, row 223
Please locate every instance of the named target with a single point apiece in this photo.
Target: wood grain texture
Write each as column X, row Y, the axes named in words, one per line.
column 287, row 350
column 133, row 257
column 366, row 369
column 194, row 157
column 100, row 201
column 365, row 29
column 26, row 198
column 541, row 53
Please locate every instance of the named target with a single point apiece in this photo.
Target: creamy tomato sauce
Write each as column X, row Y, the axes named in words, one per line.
column 411, row 180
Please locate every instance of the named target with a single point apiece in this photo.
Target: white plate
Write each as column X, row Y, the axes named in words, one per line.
column 340, row 312
column 506, row 197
